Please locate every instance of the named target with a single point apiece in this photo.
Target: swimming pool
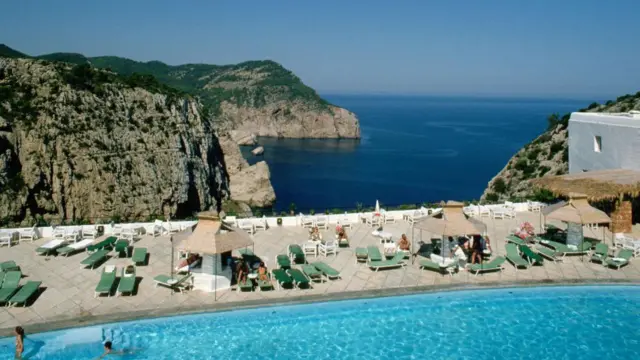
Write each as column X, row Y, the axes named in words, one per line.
column 586, row 322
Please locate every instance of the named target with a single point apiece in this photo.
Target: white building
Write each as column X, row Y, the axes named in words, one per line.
column 600, row 141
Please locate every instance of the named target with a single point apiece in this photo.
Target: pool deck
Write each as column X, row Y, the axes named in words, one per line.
column 68, row 296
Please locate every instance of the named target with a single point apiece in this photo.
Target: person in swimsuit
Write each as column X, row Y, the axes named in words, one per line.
column 403, row 243
column 108, row 350
column 241, row 272
column 19, row 332
column 262, row 272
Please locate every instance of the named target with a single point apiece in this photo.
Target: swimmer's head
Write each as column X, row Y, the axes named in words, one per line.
column 107, row 345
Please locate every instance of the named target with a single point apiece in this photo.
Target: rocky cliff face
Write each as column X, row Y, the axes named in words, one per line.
column 83, row 144
column 545, row 155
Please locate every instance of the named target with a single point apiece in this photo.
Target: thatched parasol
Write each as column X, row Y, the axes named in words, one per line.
column 577, row 210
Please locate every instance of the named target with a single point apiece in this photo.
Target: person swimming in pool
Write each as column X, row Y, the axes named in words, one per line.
column 108, row 350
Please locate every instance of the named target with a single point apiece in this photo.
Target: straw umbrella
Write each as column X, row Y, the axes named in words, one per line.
column 211, row 237
column 450, row 222
column 577, row 211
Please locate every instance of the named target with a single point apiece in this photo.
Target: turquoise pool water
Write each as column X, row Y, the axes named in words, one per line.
column 586, row 322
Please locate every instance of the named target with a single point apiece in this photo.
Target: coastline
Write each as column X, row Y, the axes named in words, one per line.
column 127, row 316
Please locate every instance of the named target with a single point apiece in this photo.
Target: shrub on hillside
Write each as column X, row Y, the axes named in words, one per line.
column 492, row 197
column 556, row 147
column 499, row 186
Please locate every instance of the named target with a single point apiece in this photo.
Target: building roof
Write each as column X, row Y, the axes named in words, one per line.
column 596, row 185
column 630, row 119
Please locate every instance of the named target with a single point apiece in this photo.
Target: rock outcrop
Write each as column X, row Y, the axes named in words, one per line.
column 545, row 155
column 291, row 120
column 80, row 144
column 247, row 184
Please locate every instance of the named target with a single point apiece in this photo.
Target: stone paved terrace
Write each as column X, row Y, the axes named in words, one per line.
column 68, row 297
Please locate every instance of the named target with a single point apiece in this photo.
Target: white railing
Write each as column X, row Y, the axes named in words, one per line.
column 272, row 221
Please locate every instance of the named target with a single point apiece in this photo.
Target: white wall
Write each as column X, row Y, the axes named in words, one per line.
column 620, row 143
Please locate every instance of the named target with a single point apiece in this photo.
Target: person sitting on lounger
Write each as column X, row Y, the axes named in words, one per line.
column 262, row 272
column 342, row 234
column 403, row 243
column 315, row 234
column 487, row 244
column 241, row 272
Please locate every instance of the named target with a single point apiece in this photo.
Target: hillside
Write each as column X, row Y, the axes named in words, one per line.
column 258, row 97
column 545, row 155
column 83, row 144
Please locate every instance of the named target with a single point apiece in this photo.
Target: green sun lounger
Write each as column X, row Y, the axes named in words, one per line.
column 548, row 253
column 343, row 242
column 247, row 285
column 428, row 264
column 600, row 253
column 530, row 255
column 264, row 285
column 139, row 256
column 374, row 253
column 312, row 272
column 104, row 244
column 9, row 266
column 121, row 246
column 515, row 240
column 396, row 261
column 95, row 258
column 296, row 254
column 282, row 278
column 617, row 262
column 563, row 249
column 493, row 265
column 361, row 254
column 107, row 280
column 326, row 270
column 514, row 257
column 283, row 261
column 10, row 285
column 25, row 293
column 300, row 280
column 127, row 282
column 181, row 284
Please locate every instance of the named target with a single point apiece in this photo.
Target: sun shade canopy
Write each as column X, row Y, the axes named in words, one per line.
column 450, row 222
column 211, row 236
column 576, row 210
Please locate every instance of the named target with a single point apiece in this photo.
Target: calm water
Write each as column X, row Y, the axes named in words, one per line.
column 413, row 150
column 532, row 323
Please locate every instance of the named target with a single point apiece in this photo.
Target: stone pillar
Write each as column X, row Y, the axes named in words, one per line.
column 621, row 218
column 574, row 234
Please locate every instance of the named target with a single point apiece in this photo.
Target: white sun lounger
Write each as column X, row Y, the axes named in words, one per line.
column 50, row 246
column 71, row 248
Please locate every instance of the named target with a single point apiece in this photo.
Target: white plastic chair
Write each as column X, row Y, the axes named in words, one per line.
column 329, row 247
column 89, row 232
column 260, row 224
column 29, row 234
column 157, row 229
column 72, row 235
column 322, row 222
column 247, row 226
column 128, row 234
column 344, row 222
column 374, row 221
column 307, row 221
column 310, row 248
column 7, row 238
column 389, row 218
column 59, row 233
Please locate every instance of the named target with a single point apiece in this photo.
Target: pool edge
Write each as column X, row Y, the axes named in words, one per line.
column 92, row 320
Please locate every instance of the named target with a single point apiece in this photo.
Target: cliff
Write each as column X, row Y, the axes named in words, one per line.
column 254, row 97
column 545, row 155
column 81, row 144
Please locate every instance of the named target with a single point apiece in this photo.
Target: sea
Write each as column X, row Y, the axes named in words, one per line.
column 413, row 150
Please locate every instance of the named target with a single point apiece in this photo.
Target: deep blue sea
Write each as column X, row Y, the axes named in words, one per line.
column 413, row 150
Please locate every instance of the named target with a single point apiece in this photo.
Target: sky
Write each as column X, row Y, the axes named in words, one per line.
column 543, row 48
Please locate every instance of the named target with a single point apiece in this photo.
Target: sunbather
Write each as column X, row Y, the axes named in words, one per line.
column 342, row 234
column 262, row 272
column 241, row 271
column 315, row 235
column 403, row 243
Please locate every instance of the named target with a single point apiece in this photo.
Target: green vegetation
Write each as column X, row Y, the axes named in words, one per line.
column 499, row 186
